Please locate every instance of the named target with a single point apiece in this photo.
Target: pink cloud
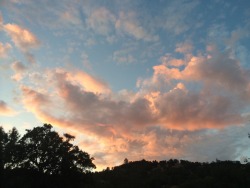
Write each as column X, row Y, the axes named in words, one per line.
column 164, row 99
column 4, row 49
column 17, row 66
column 89, row 82
column 5, row 110
column 19, row 70
column 1, row 20
column 138, row 124
column 21, row 37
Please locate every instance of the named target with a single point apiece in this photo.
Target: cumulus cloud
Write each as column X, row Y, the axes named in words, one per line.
column 214, row 71
column 141, row 123
column 169, row 61
column 4, row 49
column 22, row 38
column 118, row 121
column 164, row 99
column 5, row 110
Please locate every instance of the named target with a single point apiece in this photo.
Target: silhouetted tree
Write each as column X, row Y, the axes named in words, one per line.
column 125, row 161
column 3, row 141
column 48, row 153
column 13, row 150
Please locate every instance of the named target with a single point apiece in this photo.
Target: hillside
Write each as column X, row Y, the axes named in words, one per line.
column 174, row 173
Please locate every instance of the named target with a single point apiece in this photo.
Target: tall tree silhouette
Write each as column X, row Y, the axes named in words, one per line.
column 13, row 150
column 3, row 141
column 47, row 152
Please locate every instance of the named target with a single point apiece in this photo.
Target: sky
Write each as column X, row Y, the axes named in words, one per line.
column 136, row 79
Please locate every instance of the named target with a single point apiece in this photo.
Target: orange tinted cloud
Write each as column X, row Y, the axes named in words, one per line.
column 5, row 110
column 140, row 124
column 89, row 82
column 164, row 99
column 21, row 37
column 4, row 49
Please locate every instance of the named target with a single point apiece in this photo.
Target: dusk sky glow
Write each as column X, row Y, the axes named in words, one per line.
column 136, row 79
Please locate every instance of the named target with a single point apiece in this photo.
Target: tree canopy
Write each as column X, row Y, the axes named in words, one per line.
column 42, row 149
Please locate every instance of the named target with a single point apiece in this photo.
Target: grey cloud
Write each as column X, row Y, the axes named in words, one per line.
column 176, row 16
column 96, row 109
column 18, row 66
column 4, row 49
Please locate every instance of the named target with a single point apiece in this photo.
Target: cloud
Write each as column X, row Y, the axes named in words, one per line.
column 169, row 61
column 88, row 82
column 19, row 68
column 180, row 110
column 84, row 106
column 219, row 98
column 36, row 102
column 124, row 56
column 194, row 105
column 22, row 38
column 128, row 24
column 213, row 71
column 176, row 15
column 5, row 110
column 158, row 143
column 165, row 99
column 184, row 47
column 70, row 16
column 1, row 20
column 4, row 49
column 166, row 118
column 101, row 21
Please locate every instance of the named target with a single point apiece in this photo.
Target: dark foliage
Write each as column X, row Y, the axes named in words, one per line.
column 41, row 158
column 174, row 174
